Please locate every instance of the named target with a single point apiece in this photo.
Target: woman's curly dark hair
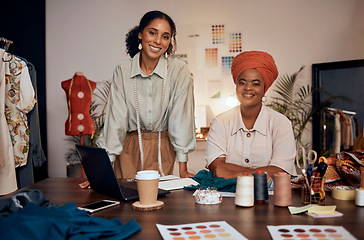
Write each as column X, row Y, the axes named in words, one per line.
column 132, row 40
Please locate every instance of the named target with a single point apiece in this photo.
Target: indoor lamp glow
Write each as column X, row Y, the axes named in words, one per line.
column 231, row 101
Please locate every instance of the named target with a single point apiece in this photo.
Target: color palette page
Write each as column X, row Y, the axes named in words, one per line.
column 203, row 231
column 218, row 34
column 211, row 57
column 235, row 42
column 309, row 232
column 226, row 63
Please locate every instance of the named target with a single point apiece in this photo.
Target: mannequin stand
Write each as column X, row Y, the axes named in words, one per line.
column 81, row 143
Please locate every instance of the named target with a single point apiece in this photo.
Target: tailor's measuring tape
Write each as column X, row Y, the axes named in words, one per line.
column 343, row 193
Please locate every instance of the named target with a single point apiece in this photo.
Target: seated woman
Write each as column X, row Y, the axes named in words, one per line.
column 251, row 136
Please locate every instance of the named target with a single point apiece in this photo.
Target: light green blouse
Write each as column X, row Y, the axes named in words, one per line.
column 178, row 109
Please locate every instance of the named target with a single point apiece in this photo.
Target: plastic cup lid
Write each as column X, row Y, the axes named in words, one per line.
column 147, row 175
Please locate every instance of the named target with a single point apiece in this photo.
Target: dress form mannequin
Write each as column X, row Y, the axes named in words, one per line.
column 79, row 92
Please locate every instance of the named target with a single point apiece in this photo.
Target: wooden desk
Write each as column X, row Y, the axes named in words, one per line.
column 180, row 208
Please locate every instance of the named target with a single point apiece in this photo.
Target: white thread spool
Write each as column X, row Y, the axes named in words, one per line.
column 244, row 195
column 359, row 197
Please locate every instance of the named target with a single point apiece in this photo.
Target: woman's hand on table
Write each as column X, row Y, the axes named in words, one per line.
column 186, row 174
column 225, row 172
column 85, row 184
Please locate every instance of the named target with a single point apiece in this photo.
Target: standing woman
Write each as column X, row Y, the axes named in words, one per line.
column 149, row 118
column 251, row 136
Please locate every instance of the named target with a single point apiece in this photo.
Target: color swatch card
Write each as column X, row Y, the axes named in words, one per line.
column 226, row 63
column 218, row 34
column 204, row 230
column 211, row 57
column 235, row 42
column 312, row 232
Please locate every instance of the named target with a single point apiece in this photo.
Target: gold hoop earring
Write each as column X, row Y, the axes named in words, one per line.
column 264, row 99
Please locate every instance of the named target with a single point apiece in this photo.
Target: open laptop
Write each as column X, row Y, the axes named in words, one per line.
column 101, row 176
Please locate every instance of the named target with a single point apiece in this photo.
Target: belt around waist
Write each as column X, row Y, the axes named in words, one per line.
column 149, row 134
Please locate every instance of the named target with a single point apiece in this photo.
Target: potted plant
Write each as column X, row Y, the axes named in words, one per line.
column 294, row 101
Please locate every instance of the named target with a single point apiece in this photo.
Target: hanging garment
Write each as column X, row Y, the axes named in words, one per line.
column 359, row 142
column 36, row 158
column 7, row 168
column 351, row 133
column 328, row 134
column 35, row 150
column 345, row 127
column 357, row 129
column 19, row 101
column 337, row 133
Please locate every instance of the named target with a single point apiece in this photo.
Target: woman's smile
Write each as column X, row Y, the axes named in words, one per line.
column 250, row 88
column 155, row 49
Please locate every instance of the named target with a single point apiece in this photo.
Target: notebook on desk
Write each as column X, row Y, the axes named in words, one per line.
column 101, row 176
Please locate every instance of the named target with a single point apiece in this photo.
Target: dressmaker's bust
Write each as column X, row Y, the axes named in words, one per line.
column 79, row 92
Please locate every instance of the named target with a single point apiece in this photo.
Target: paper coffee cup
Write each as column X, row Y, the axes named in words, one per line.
column 147, row 182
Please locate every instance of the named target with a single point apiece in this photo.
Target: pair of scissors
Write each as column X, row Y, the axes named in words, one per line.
column 307, row 160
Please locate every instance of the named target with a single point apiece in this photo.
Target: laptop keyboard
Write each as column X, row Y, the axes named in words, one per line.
column 128, row 193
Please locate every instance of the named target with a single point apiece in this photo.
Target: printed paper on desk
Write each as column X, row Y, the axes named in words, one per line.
column 168, row 177
column 177, row 183
column 310, row 231
column 325, row 215
column 202, row 230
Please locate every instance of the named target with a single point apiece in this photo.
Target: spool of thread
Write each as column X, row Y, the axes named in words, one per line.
column 343, row 192
column 359, row 197
column 282, row 189
column 244, row 195
column 260, row 187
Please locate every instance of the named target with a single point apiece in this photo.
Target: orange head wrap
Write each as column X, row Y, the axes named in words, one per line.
column 261, row 61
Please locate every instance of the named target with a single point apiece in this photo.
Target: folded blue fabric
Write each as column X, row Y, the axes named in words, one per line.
column 206, row 180
column 66, row 222
column 22, row 198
